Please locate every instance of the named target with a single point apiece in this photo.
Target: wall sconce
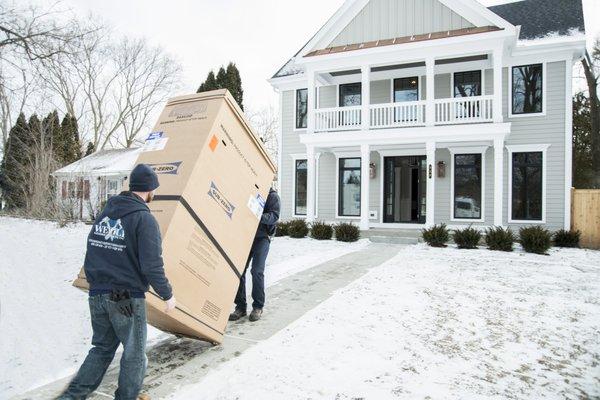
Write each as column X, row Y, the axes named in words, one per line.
column 372, row 171
column 441, row 169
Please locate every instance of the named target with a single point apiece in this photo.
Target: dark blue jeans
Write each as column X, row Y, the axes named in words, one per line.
column 111, row 328
column 258, row 256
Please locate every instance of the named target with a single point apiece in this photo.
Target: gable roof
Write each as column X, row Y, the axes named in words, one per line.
column 540, row 18
column 537, row 18
column 103, row 162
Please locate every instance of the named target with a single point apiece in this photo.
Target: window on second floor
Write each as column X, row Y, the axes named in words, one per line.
column 350, row 94
column 527, row 89
column 467, row 84
column 406, row 89
column 301, row 108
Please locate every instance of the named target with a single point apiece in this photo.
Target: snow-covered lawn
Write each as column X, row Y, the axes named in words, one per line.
column 44, row 322
column 436, row 324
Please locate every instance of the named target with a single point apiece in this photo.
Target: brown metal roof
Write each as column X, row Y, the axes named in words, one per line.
column 403, row 40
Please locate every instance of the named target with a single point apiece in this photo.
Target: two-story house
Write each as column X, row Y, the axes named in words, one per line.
column 408, row 113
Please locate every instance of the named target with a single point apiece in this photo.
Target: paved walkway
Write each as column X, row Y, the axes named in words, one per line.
column 175, row 362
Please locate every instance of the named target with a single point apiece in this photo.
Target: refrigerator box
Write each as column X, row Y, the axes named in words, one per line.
column 214, row 175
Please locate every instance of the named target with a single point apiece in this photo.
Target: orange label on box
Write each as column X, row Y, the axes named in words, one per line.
column 213, row 142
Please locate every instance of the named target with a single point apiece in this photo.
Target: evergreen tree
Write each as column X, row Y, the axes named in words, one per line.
column 13, row 179
column 52, row 135
column 229, row 79
column 209, row 84
column 70, row 146
column 583, row 171
column 35, row 131
column 90, row 149
column 234, row 84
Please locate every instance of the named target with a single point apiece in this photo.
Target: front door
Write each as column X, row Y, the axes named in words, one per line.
column 405, row 187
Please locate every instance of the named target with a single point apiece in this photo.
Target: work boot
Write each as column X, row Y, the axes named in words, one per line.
column 237, row 314
column 255, row 314
column 143, row 397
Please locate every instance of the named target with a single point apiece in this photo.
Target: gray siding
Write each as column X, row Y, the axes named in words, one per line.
column 549, row 129
column 327, row 186
column 327, row 96
column 442, row 86
column 381, row 92
column 386, row 19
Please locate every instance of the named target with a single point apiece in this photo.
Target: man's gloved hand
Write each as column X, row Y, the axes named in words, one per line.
column 122, row 301
column 171, row 304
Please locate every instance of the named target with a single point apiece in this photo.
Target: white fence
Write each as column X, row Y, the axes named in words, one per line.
column 461, row 110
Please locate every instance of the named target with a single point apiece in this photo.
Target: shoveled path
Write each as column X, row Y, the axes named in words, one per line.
column 175, row 362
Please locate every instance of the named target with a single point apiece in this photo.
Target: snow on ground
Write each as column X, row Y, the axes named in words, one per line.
column 44, row 322
column 435, row 324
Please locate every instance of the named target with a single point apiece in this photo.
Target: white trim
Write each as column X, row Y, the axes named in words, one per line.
column 302, row 156
column 525, row 148
column 295, row 92
column 338, row 155
column 568, row 142
column 510, row 91
column 467, row 150
column 395, row 225
column 280, row 144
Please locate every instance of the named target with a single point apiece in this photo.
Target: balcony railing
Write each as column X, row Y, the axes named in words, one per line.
column 461, row 110
column 394, row 115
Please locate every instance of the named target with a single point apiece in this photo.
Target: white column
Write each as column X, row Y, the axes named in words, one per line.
column 365, row 160
column 365, row 96
column 430, row 210
column 430, row 79
column 310, row 102
column 498, row 86
column 568, row 142
column 498, row 181
column 310, row 183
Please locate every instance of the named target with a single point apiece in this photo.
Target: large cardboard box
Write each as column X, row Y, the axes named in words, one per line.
column 214, row 177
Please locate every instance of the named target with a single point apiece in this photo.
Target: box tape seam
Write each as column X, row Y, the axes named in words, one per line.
column 191, row 316
column 190, row 210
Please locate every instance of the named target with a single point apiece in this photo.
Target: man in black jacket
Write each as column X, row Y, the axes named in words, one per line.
column 123, row 258
column 258, row 255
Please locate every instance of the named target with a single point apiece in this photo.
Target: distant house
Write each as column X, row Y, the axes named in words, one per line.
column 85, row 185
column 409, row 113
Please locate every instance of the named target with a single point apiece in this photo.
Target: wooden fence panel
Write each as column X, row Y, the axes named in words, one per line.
column 585, row 216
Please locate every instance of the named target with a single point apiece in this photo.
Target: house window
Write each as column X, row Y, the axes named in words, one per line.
column 79, row 189
column 300, row 185
column 527, row 186
column 112, row 188
column 406, row 89
column 467, row 186
column 350, row 94
column 301, row 108
column 527, row 90
column 349, row 187
column 467, row 84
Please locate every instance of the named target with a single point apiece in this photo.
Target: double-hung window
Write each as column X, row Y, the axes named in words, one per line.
column 527, row 89
column 527, row 186
column 467, row 84
column 405, row 90
column 467, row 186
column 301, row 108
column 350, row 95
column 300, row 184
column 349, row 187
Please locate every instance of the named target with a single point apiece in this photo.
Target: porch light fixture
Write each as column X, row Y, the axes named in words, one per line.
column 441, row 169
column 372, row 171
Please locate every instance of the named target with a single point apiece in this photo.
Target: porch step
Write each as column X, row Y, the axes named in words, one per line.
column 394, row 239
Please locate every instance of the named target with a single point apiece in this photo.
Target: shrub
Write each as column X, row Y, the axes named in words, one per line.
column 436, row 236
column 467, row 238
column 282, row 228
column 535, row 239
column 564, row 238
column 297, row 228
column 500, row 239
column 346, row 232
column 321, row 231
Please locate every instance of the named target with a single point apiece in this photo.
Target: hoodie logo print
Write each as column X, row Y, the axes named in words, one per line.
column 110, row 229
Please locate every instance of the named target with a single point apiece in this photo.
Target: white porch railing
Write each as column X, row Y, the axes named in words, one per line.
column 393, row 115
column 338, row 118
column 461, row 110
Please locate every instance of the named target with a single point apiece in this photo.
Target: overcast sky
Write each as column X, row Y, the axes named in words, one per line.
column 258, row 35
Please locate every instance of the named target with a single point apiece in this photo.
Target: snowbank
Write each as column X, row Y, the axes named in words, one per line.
column 44, row 322
column 438, row 324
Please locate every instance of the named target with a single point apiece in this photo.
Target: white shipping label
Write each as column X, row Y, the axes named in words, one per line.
column 155, row 142
column 256, row 204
